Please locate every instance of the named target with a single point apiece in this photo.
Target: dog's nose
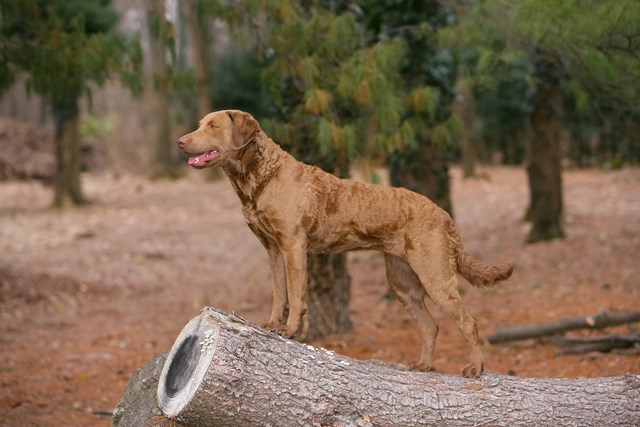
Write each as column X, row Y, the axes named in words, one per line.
column 183, row 141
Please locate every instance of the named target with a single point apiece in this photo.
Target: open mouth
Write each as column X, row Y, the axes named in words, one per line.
column 202, row 160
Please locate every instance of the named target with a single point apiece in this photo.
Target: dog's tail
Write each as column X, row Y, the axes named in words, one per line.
column 477, row 274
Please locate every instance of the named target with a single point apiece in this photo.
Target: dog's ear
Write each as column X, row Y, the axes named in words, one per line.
column 245, row 128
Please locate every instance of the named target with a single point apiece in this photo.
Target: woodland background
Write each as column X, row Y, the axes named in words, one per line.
column 521, row 118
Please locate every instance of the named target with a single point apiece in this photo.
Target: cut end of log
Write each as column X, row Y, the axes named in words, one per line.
column 187, row 364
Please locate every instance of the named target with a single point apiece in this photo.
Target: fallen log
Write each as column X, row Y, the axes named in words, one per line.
column 138, row 405
column 601, row 344
column 225, row 371
column 600, row 320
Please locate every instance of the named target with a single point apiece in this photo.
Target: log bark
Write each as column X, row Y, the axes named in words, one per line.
column 599, row 320
column 138, row 405
column 224, row 371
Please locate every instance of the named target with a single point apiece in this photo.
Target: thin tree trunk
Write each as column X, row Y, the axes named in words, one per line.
column 328, row 297
column 224, row 371
column 200, row 60
column 75, row 159
column 544, row 167
column 197, row 38
column 466, row 111
column 165, row 150
column 469, row 156
column 67, row 185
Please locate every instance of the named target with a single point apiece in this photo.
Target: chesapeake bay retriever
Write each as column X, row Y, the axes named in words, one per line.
column 294, row 209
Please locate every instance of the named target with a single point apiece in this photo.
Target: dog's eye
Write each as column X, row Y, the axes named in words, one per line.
column 212, row 125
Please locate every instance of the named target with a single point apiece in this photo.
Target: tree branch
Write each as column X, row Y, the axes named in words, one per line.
column 602, row 344
column 597, row 321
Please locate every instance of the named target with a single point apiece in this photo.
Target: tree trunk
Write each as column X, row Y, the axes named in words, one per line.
column 200, row 62
column 224, row 371
column 466, row 111
column 544, row 167
column 165, row 150
column 328, row 298
column 423, row 170
column 469, row 156
column 67, row 186
column 201, row 57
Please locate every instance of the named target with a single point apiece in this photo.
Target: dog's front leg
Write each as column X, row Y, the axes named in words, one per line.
column 279, row 289
column 295, row 260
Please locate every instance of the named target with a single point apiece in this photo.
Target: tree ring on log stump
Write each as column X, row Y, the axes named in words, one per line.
column 186, row 365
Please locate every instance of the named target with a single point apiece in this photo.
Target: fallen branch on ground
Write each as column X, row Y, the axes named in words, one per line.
column 602, row 344
column 597, row 321
column 223, row 370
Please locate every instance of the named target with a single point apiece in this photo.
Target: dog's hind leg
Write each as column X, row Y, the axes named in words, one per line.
column 411, row 294
column 436, row 271
column 452, row 305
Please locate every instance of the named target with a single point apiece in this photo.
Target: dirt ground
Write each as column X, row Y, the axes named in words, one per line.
column 88, row 295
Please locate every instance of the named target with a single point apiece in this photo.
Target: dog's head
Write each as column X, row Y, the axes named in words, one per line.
column 220, row 135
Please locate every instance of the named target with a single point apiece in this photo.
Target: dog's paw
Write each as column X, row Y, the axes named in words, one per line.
column 421, row 367
column 472, row 371
column 276, row 327
column 289, row 331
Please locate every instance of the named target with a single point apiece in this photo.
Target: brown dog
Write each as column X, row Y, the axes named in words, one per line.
column 294, row 209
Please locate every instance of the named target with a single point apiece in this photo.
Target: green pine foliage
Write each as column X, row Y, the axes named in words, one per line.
column 338, row 89
column 428, row 70
column 597, row 41
column 336, row 96
column 595, row 48
column 430, row 133
column 64, row 46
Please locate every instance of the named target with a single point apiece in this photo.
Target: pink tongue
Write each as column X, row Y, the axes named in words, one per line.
column 201, row 159
column 196, row 160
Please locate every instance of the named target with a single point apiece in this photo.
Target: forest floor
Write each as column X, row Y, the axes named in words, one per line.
column 88, row 295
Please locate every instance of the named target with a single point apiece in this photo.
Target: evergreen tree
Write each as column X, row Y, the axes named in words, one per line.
column 597, row 44
column 428, row 75
column 162, row 38
column 503, row 101
column 63, row 47
column 538, row 47
column 335, row 98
